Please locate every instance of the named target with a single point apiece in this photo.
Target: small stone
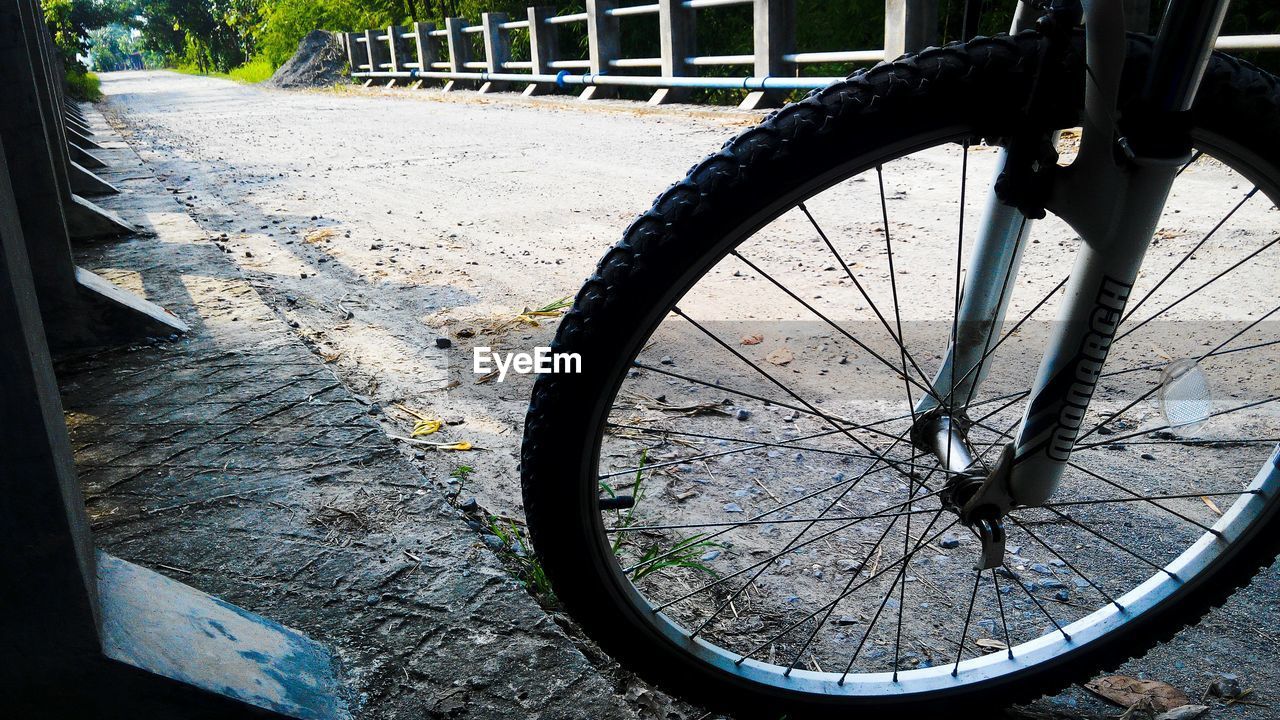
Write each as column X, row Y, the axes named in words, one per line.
column 667, row 360
column 291, row 299
column 1052, row 584
column 846, row 620
column 1042, row 569
column 1062, row 596
column 743, row 414
column 1147, row 456
column 375, row 409
column 371, row 600
column 493, row 541
column 732, row 508
column 710, row 555
column 950, row 543
column 444, row 343
column 1057, row 563
column 1225, row 685
column 469, row 505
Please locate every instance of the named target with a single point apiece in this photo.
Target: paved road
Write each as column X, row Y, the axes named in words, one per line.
column 374, row 222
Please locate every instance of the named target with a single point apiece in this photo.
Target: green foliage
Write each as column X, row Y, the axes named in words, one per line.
column 83, row 85
column 219, row 35
column 254, row 71
column 519, row 553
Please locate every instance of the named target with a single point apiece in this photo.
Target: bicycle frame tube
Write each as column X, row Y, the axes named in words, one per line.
column 1114, row 203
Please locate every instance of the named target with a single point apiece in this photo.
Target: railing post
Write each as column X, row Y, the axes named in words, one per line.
column 354, row 59
column 426, row 47
column 604, row 44
column 544, row 46
column 909, row 26
column 678, row 38
column 459, row 51
column 371, row 53
column 775, row 36
column 398, row 50
column 497, row 48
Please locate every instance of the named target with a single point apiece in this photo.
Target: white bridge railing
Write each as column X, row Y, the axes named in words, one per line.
column 422, row 52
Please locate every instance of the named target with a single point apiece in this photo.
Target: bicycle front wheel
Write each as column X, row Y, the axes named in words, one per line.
column 727, row 497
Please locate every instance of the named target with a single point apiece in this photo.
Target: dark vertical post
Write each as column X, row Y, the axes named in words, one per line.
column 677, row 38
column 909, row 26
column 497, row 48
column 398, row 50
column 46, row 575
column 604, row 44
column 544, row 46
column 426, row 46
column 775, row 36
column 459, row 50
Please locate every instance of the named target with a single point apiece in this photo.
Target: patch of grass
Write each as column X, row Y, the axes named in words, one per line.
column 520, row 554
column 685, row 553
column 83, row 86
column 254, row 71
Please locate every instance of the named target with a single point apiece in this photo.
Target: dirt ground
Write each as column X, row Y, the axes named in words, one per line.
column 395, row 230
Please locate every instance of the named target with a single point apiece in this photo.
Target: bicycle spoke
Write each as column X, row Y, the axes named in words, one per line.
column 1180, row 496
column 840, row 424
column 853, row 576
column 885, row 601
column 1120, row 438
column 865, row 296
column 1204, row 285
column 1136, row 496
column 893, row 285
column 995, row 581
column 1066, row 562
column 1018, row 581
column 841, row 596
column 788, row 521
column 955, row 670
column 1187, row 257
column 766, row 561
column 792, row 542
column 1151, row 391
column 1139, row 557
column 833, row 324
column 769, row 512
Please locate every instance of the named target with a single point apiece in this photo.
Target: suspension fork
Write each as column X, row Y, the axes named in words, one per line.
column 1112, row 196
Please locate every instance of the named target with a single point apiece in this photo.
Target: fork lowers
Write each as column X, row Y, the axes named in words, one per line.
column 947, row 438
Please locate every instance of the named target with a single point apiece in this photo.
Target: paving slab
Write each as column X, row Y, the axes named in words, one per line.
column 235, row 461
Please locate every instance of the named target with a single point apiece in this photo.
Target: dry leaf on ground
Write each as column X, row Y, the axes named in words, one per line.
column 780, row 356
column 990, row 645
column 752, row 339
column 1127, row 692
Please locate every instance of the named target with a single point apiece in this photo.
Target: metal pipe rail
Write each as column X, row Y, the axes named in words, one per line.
column 424, row 52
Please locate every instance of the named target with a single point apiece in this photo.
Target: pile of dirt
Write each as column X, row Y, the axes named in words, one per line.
column 319, row 62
